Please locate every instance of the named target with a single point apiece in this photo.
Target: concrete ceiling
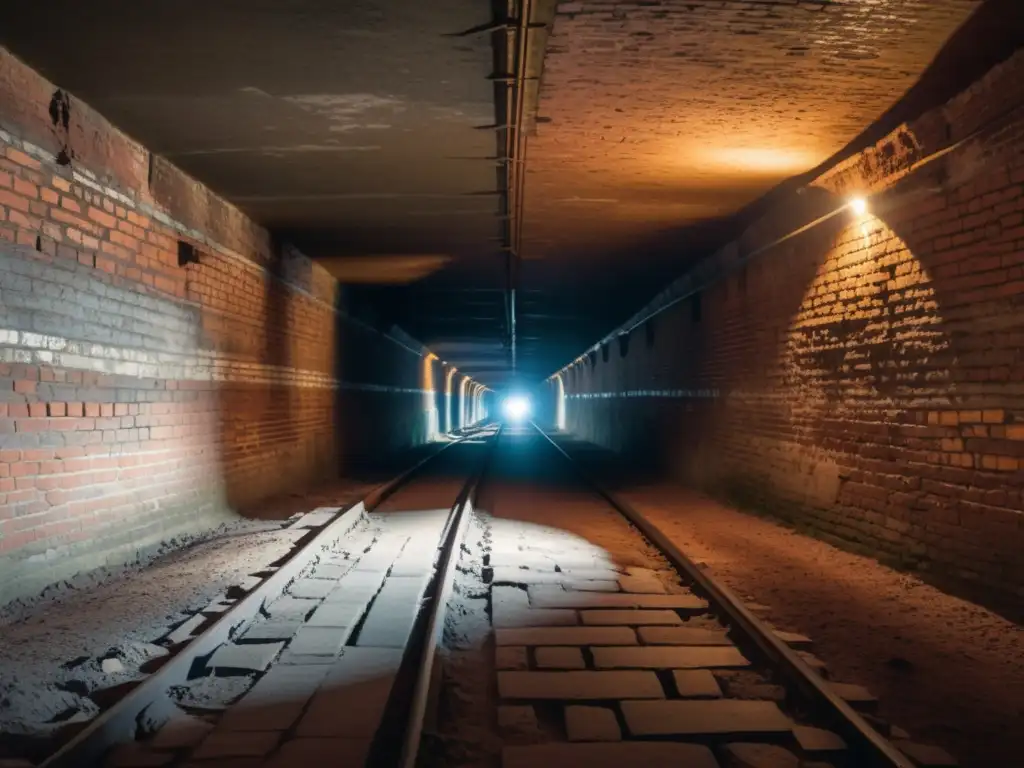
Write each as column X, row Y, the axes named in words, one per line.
column 367, row 128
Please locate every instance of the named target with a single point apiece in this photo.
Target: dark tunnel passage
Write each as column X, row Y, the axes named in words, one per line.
column 512, row 384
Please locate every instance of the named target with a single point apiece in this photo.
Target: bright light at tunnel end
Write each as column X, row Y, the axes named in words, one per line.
column 859, row 206
column 516, row 408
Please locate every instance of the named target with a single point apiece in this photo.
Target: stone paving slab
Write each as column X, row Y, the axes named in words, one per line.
column 631, row 617
column 696, row 718
column 393, row 613
column 221, row 744
column 818, row 739
column 185, row 630
column 926, row 755
column 512, row 575
column 560, row 658
column 329, row 571
column 551, row 599
column 271, row 629
column 591, row 724
column 609, row 755
column 683, row 636
column 318, row 641
column 566, row 636
column 382, row 554
column 642, row 585
column 668, row 657
column 337, row 614
column 579, row 685
column 276, row 701
column 853, row 694
column 517, row 721
column 317, row 518
column 252, row 656
column 288, row 607
column 794, row 639
column 746, row 755
column 511, row 657
column 310, row 589
column 351, row 701
column 322, row 753
column 180, row 732
column 510, row 617
column 696, row 684
column 590, row 585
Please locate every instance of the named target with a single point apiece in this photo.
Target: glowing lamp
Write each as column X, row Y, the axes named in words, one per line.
column 516, row 408
column 859, row 206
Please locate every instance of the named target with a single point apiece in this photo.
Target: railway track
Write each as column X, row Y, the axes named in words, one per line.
column 593, row 638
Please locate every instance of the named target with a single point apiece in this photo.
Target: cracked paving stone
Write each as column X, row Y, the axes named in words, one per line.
column 714, row 716
column 818, row 739
column 560, row 658
column 566, row 636
column 591, row 724
column 743, row 755
column 632, row 617
column 683, row 636
column 667, row 657
column 250, row 656
column 696, row 684
column 511, row 657
column 579, row 685
column 609, row 755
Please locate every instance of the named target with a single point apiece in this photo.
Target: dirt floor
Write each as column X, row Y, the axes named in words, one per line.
column 66, row 652
column 948, row 671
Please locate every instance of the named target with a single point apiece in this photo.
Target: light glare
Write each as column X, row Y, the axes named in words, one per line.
column 859, row 206
column 517, row 408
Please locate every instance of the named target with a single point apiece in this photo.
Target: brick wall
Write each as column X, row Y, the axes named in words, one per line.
column 141, row 398
column 864, row 378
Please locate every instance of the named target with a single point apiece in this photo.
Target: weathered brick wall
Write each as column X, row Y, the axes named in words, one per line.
column 139, row 398
column 863, row 378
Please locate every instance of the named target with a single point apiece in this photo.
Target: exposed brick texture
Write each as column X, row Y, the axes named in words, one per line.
column 864, row 378
column 139, row 398
column 661, row 113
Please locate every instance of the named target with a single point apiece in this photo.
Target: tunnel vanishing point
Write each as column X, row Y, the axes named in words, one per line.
column 769, row 250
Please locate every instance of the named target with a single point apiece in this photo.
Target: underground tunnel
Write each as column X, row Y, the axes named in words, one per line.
column 504, row 384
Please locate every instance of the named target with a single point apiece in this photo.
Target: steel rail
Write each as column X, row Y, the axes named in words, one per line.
column 425, row 688
column 860, row 735
column 117, row 724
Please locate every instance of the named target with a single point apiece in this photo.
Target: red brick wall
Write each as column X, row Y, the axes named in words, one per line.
column 863, row 379
column 140, row 399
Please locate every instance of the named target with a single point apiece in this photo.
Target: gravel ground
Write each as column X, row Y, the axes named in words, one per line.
column 946, row 670
column 66, row 654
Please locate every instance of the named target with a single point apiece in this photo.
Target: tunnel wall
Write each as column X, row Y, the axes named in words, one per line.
column 862, row 379
column 142, row 398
